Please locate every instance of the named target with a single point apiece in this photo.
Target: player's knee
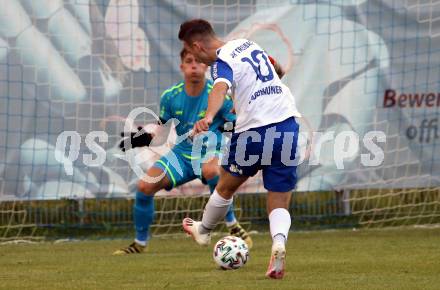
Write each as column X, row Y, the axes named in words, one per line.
column 210, row 172
column 151, row 184
column 148, row 188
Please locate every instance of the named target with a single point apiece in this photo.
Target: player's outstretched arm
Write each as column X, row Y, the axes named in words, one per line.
column 215, row 102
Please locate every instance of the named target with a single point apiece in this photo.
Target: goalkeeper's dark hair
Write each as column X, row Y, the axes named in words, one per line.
column 183, row 53
column 195, row 28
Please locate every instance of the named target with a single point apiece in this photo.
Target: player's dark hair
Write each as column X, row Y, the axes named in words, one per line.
column 193, row 28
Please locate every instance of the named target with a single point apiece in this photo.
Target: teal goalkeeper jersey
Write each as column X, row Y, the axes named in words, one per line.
column 175, row 103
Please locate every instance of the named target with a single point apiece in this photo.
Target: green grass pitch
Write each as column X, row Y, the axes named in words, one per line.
column 366, row 259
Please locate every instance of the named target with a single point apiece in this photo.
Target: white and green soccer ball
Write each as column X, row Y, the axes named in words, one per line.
column 231, row 253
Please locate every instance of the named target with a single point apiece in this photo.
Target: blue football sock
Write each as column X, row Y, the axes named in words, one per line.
column 212, row 183
column 230, row 216
column 143, row 215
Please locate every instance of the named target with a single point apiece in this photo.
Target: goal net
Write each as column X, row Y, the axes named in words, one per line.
column 365, row 75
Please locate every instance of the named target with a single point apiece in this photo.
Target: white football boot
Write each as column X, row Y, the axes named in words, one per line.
column 277, row 261
column 191, row 227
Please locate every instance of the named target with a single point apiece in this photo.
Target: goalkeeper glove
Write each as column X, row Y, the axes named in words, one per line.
column 131, row 140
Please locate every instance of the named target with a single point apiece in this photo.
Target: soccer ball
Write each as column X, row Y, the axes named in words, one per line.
column 231, row 253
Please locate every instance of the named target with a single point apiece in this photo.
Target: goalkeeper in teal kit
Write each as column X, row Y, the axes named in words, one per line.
column 186, row 102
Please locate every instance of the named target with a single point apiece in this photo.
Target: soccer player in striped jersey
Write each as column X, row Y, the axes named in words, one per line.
column 265, row 128
column 186, row 102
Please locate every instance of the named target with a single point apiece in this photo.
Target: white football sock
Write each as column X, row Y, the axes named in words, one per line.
column 215, row 211
column 279, row 238
column 280, row 221
column 142, row 243
column 230, row 224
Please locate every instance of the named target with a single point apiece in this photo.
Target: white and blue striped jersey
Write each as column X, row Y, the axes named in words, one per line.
column 260, row 98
